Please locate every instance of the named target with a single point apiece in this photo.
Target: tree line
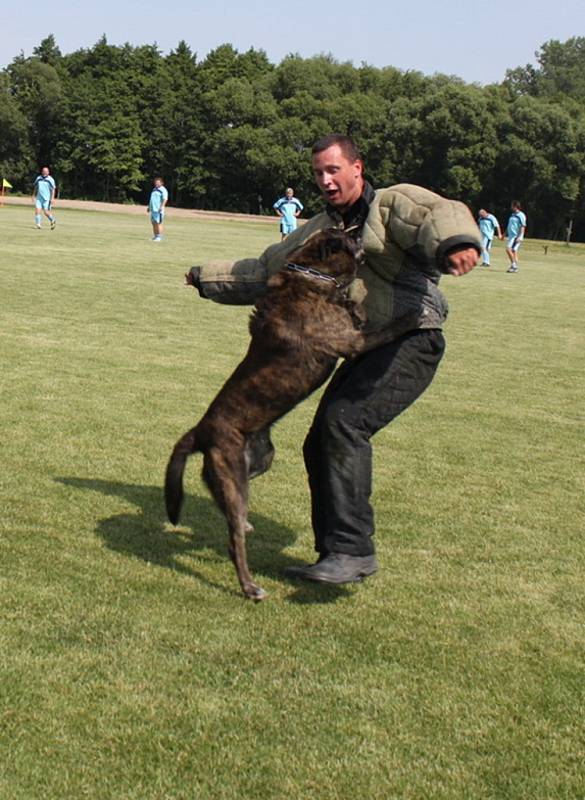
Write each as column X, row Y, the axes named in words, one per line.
column 231, row 131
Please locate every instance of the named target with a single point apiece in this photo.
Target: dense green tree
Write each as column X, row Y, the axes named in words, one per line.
column 320, row 76
column 560, row 73
column 232, row 131
column 541, row 161
column 239, row 115
column 48, row 51
column 16, row 157
column 182, row 164
column 443, row 139
column 225, row 62
column 38, row 91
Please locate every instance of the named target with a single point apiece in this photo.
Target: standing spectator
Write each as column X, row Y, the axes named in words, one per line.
column 488, row 226
column 288, row 209
column 156, row 208
column 43, row 196
column 515, row 233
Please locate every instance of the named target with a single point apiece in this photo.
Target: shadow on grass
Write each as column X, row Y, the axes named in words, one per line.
column 146, row 535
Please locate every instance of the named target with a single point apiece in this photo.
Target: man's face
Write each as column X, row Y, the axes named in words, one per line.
column 45, row 171
column 340, row 180
column 158, row 183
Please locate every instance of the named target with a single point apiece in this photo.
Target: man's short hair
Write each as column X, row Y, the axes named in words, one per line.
column 346, row 143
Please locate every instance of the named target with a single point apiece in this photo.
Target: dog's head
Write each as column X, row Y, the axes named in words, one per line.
column 332, row 252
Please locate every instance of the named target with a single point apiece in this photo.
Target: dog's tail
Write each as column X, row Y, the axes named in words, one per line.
column 186, row 445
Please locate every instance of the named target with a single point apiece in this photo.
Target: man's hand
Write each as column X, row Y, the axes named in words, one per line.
column 192, row 278
column 459, row 262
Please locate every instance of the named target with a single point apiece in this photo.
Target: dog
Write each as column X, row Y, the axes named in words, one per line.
column 299, row 329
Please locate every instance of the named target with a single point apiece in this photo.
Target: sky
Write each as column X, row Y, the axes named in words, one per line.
column 477, row 40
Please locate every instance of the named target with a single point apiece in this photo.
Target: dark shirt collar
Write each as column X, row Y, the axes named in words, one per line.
column 357, row 213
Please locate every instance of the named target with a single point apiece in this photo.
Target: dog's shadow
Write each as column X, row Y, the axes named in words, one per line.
column 146, row 535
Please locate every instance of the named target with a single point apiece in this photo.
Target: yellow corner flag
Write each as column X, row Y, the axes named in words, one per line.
column 5, row 184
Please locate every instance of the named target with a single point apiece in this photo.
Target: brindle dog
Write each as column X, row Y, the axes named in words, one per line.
column 299, row 329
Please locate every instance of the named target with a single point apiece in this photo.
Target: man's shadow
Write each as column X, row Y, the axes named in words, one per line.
column 146, row 535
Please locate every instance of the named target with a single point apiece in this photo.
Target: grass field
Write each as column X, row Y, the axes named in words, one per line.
column 132, row 668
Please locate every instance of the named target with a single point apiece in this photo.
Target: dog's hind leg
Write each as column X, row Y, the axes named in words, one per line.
column 227, row 481
column 215, row 486
column 259, row 453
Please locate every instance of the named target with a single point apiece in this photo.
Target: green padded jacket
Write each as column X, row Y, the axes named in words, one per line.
column 406, row 235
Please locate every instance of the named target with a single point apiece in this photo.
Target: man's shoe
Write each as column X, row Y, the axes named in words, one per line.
column 512, row 269
column 336, row 568
column 53, row 224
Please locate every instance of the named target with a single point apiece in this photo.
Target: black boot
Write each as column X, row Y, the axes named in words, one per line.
column 336, row 568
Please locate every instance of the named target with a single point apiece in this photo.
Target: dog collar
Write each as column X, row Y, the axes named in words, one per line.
column 313, row 273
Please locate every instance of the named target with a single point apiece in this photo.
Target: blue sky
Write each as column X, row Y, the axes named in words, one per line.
column 476, row 40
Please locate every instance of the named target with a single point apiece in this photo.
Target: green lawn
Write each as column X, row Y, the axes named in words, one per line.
column 131, row 666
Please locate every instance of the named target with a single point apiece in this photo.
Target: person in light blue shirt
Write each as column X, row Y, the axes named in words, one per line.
column 43, row 196
column 156, row 208
column 515, row 234
column 489, row 226
column 288, row 209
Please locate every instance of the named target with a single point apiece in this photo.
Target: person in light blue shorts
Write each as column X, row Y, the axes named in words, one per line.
column 515, row 234
column 488, row 226
column 43, row 196
column 156, row 208
column 288, row 209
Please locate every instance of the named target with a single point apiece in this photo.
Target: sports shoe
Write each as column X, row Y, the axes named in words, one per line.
column 513, row 268
column 157, row 239
column 53, row 224
column 336, row 568
column 38, row 227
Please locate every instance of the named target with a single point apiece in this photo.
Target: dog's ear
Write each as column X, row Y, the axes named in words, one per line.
column 353, row 242
column 324, row 251
column 336, row 241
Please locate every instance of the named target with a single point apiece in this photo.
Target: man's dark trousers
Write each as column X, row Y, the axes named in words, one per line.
column 364, row 395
